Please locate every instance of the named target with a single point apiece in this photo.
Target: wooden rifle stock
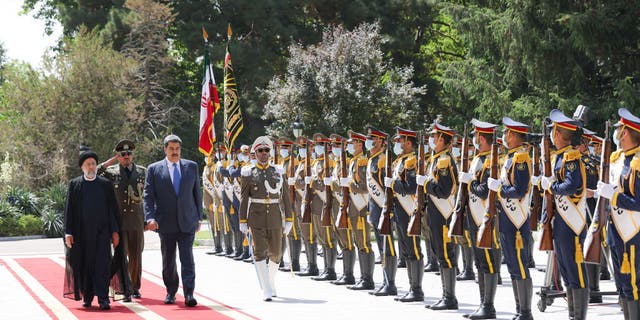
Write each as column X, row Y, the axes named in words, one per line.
column 325, row 219
column 546, row 236
column 593, row 240
column 308, row 191
column 343, row 214
column 456, row 227
column 536, row 199
column 485, row 232
column 415, row 224
column 292, row 187
column 384, row 226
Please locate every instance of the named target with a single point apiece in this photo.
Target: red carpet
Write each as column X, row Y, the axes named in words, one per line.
column 50, row 275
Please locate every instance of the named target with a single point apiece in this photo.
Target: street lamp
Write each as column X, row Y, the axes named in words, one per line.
column 297, row 127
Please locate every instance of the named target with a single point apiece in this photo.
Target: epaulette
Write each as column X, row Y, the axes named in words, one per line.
column 279, row 169
column 142, row 167
column 246, row 171
column 615, row 155
column 410, row 163
column 443, row 162
column 382, row 162
column 571, row 155
column 362, row 161
column 520, row 157
column 487, row 163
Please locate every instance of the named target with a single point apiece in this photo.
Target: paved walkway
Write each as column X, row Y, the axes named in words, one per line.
column 229, row 286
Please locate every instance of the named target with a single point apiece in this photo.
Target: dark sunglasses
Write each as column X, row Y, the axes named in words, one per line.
column 125, row 153
column 263, row 150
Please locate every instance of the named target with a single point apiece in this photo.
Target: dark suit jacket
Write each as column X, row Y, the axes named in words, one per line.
column 173, row 212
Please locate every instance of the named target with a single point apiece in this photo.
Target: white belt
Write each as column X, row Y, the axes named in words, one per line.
column 264, row 200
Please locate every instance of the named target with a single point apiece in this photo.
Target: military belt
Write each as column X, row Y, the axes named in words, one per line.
column 264, row 200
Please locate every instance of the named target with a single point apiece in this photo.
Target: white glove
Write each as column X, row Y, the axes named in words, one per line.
column 388, row 182
column 606, row 190
column 219, row 164
column 535, row 180
column 465, row 177
column 345, row 182
column 307, row 180
column 494, row 184
column 546, row 182
column 244, row 228
column 420, row 179
column 327, row 181
column 291, row 181
column 287, row 227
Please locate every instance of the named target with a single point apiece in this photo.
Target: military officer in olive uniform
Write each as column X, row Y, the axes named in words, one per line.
column 308, row 234
column 128, row 182
column 211, row 203
column 289, row 164
column 265, row 199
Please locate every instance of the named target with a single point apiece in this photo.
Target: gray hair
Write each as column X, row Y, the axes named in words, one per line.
column 172, row 138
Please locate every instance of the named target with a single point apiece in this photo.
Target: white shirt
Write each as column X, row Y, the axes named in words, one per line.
column 170, row 167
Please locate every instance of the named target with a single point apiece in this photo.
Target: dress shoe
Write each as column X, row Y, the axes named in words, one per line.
column 86, row 304
column 126, row 299
column 104, row 306
column 170, row 299
column 137, row 295
column 605, row 275
column 466, row 275
column 402, row 263
column 431, row 267
column 190, row 301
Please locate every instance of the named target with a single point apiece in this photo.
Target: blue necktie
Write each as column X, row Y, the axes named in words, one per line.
column 176, row 178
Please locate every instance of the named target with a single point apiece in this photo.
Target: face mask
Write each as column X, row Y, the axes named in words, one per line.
column 475, row 143
column 351, row 149
column 426, row 148
column 337, row 151
column 504, row 142
column 470, row 153
column 432, row 142
column 456, row 152
column 616, row 138
column 242, row 158
column 272, row 153
column 368, row 144
column 302, row 152
column 319, row 151
column 254, row 161
column 592, row 150
column 284, row 153
column 397, row 148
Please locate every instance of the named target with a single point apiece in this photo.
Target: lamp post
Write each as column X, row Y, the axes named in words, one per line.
column 297, row 127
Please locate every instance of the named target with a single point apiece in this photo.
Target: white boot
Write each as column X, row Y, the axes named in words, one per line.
column 263, row 278
column 273, row 270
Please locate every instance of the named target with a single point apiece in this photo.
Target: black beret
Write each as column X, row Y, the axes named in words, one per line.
column 86, row 155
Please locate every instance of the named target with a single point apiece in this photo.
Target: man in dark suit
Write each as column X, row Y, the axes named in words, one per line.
column 173, row 207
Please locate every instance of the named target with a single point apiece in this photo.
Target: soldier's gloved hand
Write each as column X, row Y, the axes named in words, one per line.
column 420, row 179
column 291, row 181
column 535, row 180
column 327, row 181
column 606, row 190
column 388, row 182
column 546, row 182
column 494, row 184
column 465, row 177
column 287, row 227
column 307, row 180
column 219, row 164
column 345, row 182
column 244, row 228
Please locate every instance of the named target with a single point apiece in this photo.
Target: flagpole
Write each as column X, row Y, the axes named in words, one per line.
column 227, row 138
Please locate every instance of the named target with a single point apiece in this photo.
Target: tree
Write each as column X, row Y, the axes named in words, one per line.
column 343, row 83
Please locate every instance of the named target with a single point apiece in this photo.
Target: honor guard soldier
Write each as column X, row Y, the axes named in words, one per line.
column 224, row 204
column 464, row 243
column 345, row 240
column 128, row 182
column 245, row 157
column 308, row 233
column 326, row 234
column 289, row 165
column 596, row 145
column 403, row 184
column 211, row 202
column 356, row 182
column 230, row 201
column 440, row 188
column 265, row 199
column 487, row 260
column 624, row 218
column 376, row 143
column 568, row 186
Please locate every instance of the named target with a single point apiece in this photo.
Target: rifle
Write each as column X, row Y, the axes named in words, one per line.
column 415, row 224
column 292, row 187
column 485, row 232
column 384, row 226
column 592, row 243
column 536, row 201
column 342, row 221
column 308, row 191
column 456, row 227
column 276, row 157
column 325, row 219
column 546, row 236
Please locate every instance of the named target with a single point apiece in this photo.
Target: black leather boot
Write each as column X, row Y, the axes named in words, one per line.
column 448, row 301
column 570, row 304
column 487, row 309
column 227, row 245
column 329, row 272
column 580, row 303
column 525, row 293
column 348, row 262
column 593, row 271
column 633, row 308
column 389, row 287
column 311, row 250
column 467, row 264
column 295, row 246
column 415, row 271
column 481, row 287
column 514, row 286
column 367, row 261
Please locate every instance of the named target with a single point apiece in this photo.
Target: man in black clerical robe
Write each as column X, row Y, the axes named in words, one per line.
column 90, row 223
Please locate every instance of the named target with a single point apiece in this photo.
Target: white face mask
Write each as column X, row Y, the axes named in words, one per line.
column 337, row 151
column 455, row 151
column 470, row 153
column 616, row 138
column 368, row 144
column 319, row 151
column 475, row 143
column 242, row 158
column 272, row 153
column 592, row 150
column 351, row 149
column 504, row 142
column 426, row 148
column 397, row 148
column 284, row 153
column 254, row 161
column 302, row 152
column 432, row 142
